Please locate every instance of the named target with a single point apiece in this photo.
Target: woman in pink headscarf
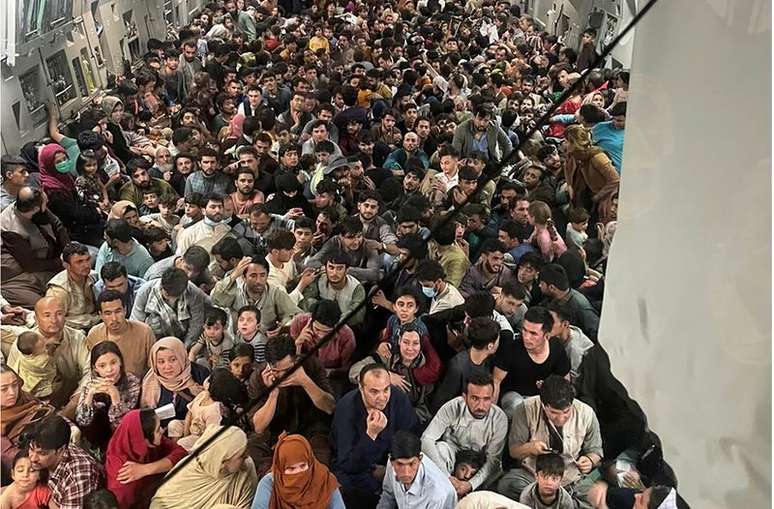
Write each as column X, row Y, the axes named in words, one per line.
column 57, row 170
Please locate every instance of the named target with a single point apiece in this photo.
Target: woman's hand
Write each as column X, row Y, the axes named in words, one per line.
column 131, row 472
column 399, row 381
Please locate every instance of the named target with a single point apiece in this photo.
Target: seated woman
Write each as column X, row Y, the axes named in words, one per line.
column 403, row 364
column 107, row 396
column 26, row 491
column 406, row 308
column 297, row 479
column 136, row 456
column 223, row 396
column 544, row 238
column 241, row 362
column 172, row 379
column 19, row 409
column 221, row 474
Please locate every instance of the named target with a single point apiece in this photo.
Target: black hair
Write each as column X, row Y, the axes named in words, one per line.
column 534, row 260
column 148, row 419
column 430, row 270
column 337, row 257
column 51, row 433
column 514, row 289
column 195, row 198
column 557, row 392
column 72, row 249
column 306, row 223
column 446, row 234
column 227, row 389
column 554, row 274
column 281, row 239
column 561, row 309
column 483, row 331
column 480, row 304
column 197, row 257
column 90, row 140
column 118, row 229
column 101, row 499
column 109, row 296
column 550, row 464
column 27, row 201
column 374, row 366
column 213, row 315
column 479, row 380
column 405, row 445
column 492, row 245
column 216, row 197
column 174, row 281
column 280, row 347
column 539, row 314
column 475, row 459
column 327, row 312
column 592, row 113
column 228, row 248
column 511, row 228
column 351, row 226
column 618, row 110
column 241, row 350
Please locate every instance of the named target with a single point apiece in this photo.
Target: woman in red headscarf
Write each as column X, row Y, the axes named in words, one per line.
column 297, row 479
column 137, row 456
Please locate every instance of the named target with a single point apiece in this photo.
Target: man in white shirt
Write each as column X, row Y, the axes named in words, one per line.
column 413, row 480
column 208, row 231
column 443, row 295
column 470, row 421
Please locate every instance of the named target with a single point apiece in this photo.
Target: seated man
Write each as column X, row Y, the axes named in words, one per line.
column 471, row 421
column 247, row 285
column 194, row 262
column 363, row 426
column 364, row 263
column 172, row 306
column 510, row 303
column 522, row 365
column 483, row 335
column 121, row 247
column 489, row 272
column 114, row 277
column 69, row 351
column 72, row 472
column 208, row 231
column 308, row 329
column 553, row 421
column 555, row 287
column 445, row 251
column 336, row 284
column 302, row 404
column 442, row 295
column 575, row 342
column 413, row 479
column 375, row 227
column 74, row 287
column 134, row 339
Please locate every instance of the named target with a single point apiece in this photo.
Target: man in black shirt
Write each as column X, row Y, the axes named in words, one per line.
column 522, row 365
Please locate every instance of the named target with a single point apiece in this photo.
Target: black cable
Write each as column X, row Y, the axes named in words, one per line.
column 491, row 173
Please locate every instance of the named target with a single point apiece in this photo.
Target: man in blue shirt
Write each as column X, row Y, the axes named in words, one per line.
column 363, row 426
column 610, row 135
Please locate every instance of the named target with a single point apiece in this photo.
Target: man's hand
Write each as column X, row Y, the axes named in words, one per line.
column 307, row 278
column 584, row 464
column 241, row 267
column 13, row 315
column 296, row 379
column 539, row 447
column 375, row 423
column 597, row 495
column 305, row 337
column 379, row 299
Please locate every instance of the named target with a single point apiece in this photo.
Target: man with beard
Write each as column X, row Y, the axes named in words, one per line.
column 471, row 421
column 549, row 156
column 364, row 262
column 142, row 182
column 245, row 195
column 489, row 272
column 398, row 158
column 427, row 140
column 209, row 179
column 189, row 66
column 375, row 228
column 242, row 19
column 538, row 183
column 208, row 231
column 481, row 133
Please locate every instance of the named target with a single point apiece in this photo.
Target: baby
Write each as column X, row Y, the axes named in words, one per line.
column 36, row 366
column 215, row 342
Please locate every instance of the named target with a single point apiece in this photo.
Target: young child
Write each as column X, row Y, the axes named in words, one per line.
column 26, row 491
column 547, row 491
column 577, row 224
column 36, row 367
column 248, row 329
column 150, row 202
column 224, row 395
column 467, row 463
column 166, row 219
column 215, row 343
column 158, row 243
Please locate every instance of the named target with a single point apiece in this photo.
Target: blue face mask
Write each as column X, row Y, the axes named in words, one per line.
column 429, row 292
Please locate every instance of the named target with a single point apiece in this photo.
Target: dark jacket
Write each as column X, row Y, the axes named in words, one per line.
column 500, row 146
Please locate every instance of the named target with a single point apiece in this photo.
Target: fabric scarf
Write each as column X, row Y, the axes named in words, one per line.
column 26, row 410
column 118, row 210
column 171, row 318
column 153, row 381
column 29, row 152
column 202, row 483
column 311, row 489
column 50, row 179
column 127, row 444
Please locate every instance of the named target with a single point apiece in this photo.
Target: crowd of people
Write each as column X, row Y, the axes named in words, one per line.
column 281, row 178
